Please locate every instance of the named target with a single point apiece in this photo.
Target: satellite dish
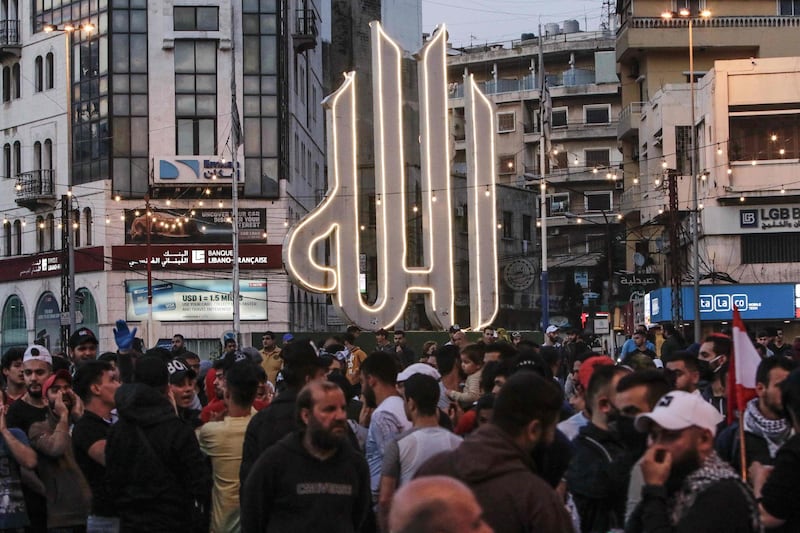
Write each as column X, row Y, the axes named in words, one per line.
column 638, row 259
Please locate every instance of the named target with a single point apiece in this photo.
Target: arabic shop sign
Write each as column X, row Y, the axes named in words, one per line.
column 50, row 264
column 183, row 300
column 196, row 225
column 204, row 169
column 201, row 257
column 646, row 281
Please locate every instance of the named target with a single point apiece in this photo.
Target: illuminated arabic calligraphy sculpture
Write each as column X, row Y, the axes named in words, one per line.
column 337, row 216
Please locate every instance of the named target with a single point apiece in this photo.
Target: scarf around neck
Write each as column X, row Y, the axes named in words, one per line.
column 710, row 472
column 775, row 432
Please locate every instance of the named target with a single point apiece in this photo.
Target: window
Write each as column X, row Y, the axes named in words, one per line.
column 7, row 172
column 693, row 5
column 597, row 114
column 37, row 155
column 559, row 117
column 506, row 122
column 191, row 18
column 50, row 228
column 196, row 97
column 40, row 233
column 48, row 71
column 751, row 137
column 559, row 204
column 599, row 201
column 6, row 84
column 47, row 154
column 89, row 223
column 16, row 81
column 17, row 237
column 527, row 222
column 778, row 248
column 790, row 7
column 508, row 164
column 683, row 149
column 7, row 237
column 17, row 158
column 76, row 227
column 595, row 243
column 38, row 74
column 508, row 224
column 597, row 158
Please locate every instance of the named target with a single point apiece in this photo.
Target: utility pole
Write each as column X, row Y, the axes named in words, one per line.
column 675, row 270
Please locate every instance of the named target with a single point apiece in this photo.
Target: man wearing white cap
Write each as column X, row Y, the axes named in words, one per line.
column 687, row 486
column 551, row 337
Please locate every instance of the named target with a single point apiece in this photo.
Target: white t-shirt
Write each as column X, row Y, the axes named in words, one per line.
column 387, row 422
column 403, row 456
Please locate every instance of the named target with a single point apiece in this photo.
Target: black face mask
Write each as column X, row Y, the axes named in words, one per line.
column 704, row 368
column 635, row 441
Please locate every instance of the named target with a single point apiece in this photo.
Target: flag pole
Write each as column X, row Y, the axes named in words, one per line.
column 742, row 450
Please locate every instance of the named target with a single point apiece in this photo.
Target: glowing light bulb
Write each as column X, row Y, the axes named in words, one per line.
column 783, row 190
column 636, row 181
column 487, row 192
column 117, row 198
column 730, row 171
column 664, row 164
column 773, row 137
column 415, row 208
column 741, row 198
column 168, row 202
column 657, row 182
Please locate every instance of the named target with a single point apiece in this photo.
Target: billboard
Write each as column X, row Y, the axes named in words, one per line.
column 200, row 257
column 178, row 300
column 771, row 301
column 187, row 169
column 196, row 225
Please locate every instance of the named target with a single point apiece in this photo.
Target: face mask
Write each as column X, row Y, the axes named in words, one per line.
column 704, row 368
column 634, row 440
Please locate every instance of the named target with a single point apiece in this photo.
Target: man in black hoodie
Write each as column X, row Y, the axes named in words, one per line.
column 156, row 474
column 495, row 460
column 312, row 479
column 270, row 425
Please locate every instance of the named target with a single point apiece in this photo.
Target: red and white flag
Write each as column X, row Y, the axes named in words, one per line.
column 744, row 362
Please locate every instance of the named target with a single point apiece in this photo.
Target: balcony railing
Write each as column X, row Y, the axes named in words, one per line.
column 569, row 78
column 9, row 33
column 648, row 23
column 36, row 185
column 306, row 31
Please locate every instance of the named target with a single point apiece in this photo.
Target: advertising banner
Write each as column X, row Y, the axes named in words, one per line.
column 179, row 300
column 197, row 225
column 187, row 169
column 50, row 264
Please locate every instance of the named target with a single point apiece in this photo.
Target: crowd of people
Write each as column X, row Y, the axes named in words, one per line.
column 497, row 434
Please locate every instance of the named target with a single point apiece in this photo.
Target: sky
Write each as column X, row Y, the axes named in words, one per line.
column 482, row 21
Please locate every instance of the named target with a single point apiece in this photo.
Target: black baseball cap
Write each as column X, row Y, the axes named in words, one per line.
column 80, row 336
column 230, row 359
column 179, row 370
column 301, row 354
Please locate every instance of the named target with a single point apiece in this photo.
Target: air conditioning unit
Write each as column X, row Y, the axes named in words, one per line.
column 554, row 232
column 619, row 185
column 460, row 211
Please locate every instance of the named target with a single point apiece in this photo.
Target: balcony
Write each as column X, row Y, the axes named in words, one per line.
column 305, row 31
column 584, row 130
column 739, row 32
column 36, row 188
column 9, row 39
column 567, row 83
column 629, row 120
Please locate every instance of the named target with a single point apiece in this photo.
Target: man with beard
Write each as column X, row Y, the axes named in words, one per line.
column 312, row 479
column 637, row 393
column 14, row 375
column 765, row 428
column 82, row 346
column 598, row 473
column 496, row 463
column 687, row 486
column 66, row 490
column 268, row 426
column 37, row 366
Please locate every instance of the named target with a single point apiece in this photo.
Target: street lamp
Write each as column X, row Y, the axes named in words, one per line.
column 689, row 15
column 68, row 287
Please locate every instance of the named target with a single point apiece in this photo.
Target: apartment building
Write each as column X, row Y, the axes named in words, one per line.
column 582, row 171
column 119, row 132
column 733, row 104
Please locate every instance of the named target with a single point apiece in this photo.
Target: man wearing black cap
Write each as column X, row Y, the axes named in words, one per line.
column 181, row 387
column 156, row 474
column 82, row 346
column 301, row 365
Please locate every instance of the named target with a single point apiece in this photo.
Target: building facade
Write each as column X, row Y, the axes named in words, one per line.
column 143, row 171
column 581, row 171
column 733, row 109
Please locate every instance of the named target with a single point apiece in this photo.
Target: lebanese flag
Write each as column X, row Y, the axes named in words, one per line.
column 742, row 368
